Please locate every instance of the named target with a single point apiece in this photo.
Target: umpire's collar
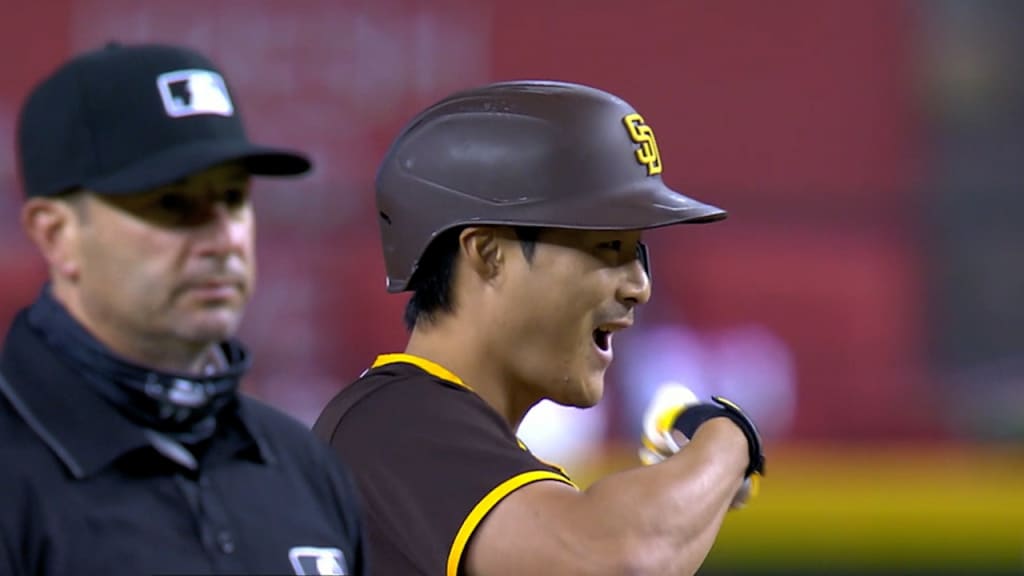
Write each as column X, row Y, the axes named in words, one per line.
column 79, row 426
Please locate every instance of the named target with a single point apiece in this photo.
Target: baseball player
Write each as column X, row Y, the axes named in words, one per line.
column 514, row 215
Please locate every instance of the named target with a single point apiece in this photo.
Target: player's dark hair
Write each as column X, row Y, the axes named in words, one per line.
column 432, row 282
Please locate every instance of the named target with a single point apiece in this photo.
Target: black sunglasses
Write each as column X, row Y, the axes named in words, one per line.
column 644, row 255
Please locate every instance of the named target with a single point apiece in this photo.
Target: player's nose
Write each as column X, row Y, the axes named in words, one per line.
column 635, row 287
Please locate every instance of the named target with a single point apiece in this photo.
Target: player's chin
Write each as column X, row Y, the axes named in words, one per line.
column 590, row 392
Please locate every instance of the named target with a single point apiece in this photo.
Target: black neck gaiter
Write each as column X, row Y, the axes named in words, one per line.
column 183, row 407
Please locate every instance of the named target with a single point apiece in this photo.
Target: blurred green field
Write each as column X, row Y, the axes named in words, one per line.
column 896, row 509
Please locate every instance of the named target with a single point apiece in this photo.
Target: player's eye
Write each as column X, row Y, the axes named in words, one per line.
column 614, row 245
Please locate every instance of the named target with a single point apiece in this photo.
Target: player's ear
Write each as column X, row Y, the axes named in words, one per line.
column 53, row 225
column 482, row 249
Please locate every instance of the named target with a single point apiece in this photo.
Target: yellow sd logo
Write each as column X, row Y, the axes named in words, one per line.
column 642, row 134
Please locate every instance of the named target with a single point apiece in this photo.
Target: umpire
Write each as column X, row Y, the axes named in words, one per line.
column 128, row 447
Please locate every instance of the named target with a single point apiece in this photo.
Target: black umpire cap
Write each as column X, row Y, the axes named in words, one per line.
column 128, row 118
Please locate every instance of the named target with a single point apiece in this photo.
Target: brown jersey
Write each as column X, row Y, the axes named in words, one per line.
column 431, row 459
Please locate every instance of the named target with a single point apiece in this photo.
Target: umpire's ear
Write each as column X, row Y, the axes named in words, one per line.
column 53, row 224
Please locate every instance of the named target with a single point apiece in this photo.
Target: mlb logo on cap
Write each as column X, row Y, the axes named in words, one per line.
column 125, row 119
column 191, row 92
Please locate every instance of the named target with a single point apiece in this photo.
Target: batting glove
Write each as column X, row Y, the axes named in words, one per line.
column 673, row 417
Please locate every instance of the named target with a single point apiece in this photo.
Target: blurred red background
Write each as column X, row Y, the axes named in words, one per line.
column 823, row 127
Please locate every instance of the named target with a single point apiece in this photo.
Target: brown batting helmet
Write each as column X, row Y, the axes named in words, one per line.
column 530, row 153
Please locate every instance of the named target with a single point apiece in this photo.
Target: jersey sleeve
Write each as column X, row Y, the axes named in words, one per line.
column 432, row 460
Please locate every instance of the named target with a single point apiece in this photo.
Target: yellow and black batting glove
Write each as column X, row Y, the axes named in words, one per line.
column 673, row 417
column 659, row 439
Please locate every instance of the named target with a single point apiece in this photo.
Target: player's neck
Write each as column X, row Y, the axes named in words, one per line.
column 462, row 352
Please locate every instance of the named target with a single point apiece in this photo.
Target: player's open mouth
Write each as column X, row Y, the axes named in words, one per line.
column 603, row 339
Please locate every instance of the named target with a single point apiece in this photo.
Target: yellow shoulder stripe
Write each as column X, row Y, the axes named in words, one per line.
column 469, row 525
column 432, row 368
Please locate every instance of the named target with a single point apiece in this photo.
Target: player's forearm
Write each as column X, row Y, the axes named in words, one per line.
column 663, row 519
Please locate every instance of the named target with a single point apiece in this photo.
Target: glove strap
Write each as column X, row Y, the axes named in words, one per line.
column 692, row 417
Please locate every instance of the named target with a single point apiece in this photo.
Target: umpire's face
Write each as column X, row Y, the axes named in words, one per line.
column 169, row 267
column 560, row 307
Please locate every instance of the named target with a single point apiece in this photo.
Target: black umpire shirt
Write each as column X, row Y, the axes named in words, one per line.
column 84, row 490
